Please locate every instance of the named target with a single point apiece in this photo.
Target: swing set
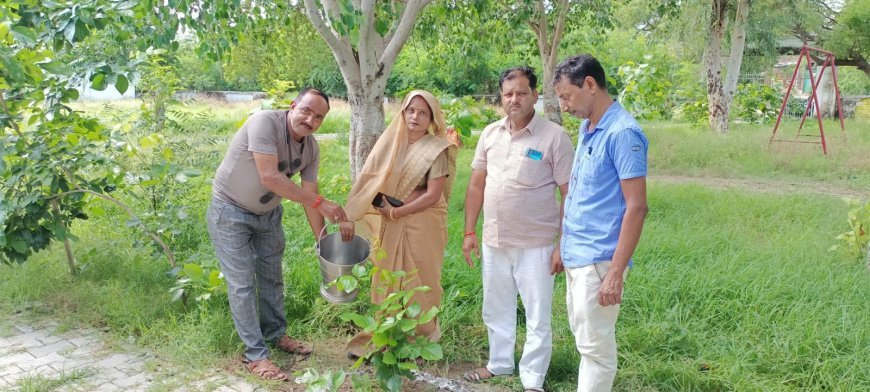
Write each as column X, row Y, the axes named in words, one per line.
column 812, row 101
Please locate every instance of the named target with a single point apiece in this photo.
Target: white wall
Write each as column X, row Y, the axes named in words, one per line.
column 109, row 94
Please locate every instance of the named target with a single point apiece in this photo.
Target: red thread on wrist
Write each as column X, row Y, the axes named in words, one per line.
column 317, row 201
column 470, row 233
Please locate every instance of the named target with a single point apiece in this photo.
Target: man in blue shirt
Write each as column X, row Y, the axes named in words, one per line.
column 604, row 214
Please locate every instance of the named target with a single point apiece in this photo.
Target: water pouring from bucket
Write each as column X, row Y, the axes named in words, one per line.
column 337, row 258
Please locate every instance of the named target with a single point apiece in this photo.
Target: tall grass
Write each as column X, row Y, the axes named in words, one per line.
column 745, row 152
column 730, row 290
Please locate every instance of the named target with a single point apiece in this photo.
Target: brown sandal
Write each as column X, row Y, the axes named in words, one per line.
column 292, row 346
column 478, row 375
column 266, row 370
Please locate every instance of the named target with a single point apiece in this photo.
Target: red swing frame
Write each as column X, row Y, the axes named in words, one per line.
column 813, row 101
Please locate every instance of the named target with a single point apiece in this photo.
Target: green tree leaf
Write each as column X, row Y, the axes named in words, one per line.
column 413, row 310
column 57, row 68
column 363, row 322
column 24, row 35
column 394, row 383
column 98, row 82
column 19, row 245
column 431, row 351
column 407, row 324
column 389, row 358
column 429, row 315
column 121, row 84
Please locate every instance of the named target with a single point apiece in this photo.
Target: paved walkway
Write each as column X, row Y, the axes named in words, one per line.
column 39, row 356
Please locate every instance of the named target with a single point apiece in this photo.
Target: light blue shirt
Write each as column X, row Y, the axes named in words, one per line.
column 615, row 150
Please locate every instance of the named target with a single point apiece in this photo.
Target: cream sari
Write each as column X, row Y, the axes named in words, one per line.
column 414, row 243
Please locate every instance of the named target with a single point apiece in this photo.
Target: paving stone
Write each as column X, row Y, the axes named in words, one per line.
column 16, row 358
column 50, row 349
column 45, row 370
column 12, row 349
column 131, row 368
column 39, row 350
column 113, row 374
column 81, row 341
column 81, row 352
column 10, row 369
column 27, row 340
column 108, row 387
column 69, row 365
column 4, row 382
column 49, row 339
column 114, row 360
column 138, row 379
column 242, row 386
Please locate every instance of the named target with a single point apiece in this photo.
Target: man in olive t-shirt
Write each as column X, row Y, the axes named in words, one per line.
column 244, row 219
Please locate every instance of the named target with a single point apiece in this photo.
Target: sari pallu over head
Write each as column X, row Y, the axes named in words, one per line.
column 413, row 243
column 388, row 168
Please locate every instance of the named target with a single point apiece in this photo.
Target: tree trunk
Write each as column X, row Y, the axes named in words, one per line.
column 827, row 94
column 548, row 48
column 366, row 125
column 720, row 93
column 365, row 64
column 718, row 110
column 551, row 103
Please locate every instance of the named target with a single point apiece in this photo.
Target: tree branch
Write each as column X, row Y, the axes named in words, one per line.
column 341, row 48
column 403, row 31
column 130, row 213
column 540, row 29
column 562, row 11
column 319, row 23
column 6, row 111
column 738, row 43
column 368, row 48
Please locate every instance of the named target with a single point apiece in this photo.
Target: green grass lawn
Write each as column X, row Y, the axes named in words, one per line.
column 731, row 290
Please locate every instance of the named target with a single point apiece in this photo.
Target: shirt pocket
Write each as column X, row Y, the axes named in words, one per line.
column 591, row 166
column 533, row 173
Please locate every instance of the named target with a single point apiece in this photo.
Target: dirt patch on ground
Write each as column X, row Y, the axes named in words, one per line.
column 770, row 186
column 330, row 355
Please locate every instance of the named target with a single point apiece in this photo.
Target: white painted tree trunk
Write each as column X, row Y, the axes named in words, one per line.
column 366, row 125
column 366, row 64
column 827, row 95
column 721, row 88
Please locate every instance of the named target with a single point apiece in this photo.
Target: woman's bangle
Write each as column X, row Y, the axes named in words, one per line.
column 391, row 213
column 317, row 201
column 470, row 233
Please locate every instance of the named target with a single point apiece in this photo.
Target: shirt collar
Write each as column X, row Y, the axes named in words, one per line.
column 531, row 127
column 609, row 116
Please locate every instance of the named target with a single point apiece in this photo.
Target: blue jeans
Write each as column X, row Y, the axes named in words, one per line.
column 250, row 248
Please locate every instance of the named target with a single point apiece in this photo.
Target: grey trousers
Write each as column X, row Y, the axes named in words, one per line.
column 250, row 248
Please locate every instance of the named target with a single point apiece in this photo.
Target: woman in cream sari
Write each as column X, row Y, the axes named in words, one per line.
column 413, row 163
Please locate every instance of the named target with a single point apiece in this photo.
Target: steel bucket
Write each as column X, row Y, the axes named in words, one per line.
column 337, row 258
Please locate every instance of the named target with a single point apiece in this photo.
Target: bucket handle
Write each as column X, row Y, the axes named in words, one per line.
column 320, row 237
column 317, row 243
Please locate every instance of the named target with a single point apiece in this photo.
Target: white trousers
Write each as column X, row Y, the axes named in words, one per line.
column 506, row 272
column 593, row 326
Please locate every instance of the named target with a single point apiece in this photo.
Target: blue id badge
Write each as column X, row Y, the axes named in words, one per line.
column 534, row 154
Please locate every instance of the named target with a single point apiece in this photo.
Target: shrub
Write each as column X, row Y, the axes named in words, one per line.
column 756, row 103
